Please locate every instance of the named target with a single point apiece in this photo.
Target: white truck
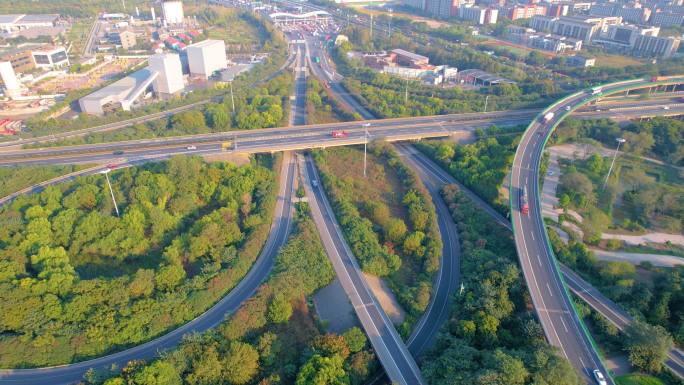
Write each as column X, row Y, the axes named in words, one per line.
column 547, row 117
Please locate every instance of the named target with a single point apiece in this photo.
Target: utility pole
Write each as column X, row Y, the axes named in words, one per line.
column 406, row 91
column 371, row 28
column 232, row 98
column 620, row 141
column 389, row 26
column 486, row 100
column 111, row 192
column 365, row 144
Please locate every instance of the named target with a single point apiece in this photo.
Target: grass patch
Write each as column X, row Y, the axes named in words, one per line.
column 13, row 179
column 638, row 379
column 605, row 60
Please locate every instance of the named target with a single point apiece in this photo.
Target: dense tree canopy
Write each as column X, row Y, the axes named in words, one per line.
column 77, row 281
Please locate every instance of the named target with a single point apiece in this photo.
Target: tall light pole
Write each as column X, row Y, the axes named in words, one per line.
column 111, row 192
column 620, row 141
column 389, row 26
column 371, row 28
column 406, row 91
column 232, row 98
column 365, row 144
column 486, row 100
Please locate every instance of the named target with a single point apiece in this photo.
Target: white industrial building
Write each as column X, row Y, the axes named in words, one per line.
column 170, row 80
column 120, row 94
column 207, row 57
column 11, row 23
column 10, row 83
column 164, row 75
column 51, row 58
column 173, row 11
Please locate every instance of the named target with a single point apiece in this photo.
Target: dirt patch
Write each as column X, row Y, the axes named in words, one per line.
column 387, row 300
column 238, row 159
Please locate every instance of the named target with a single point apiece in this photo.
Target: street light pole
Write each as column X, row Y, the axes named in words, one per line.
column 486, row 101
column 111, row 192
column 365, row 144
column 406, row 91
column 232, row 99
column 620, row 141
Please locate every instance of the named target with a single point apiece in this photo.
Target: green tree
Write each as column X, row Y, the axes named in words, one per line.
column 158, row 373
column 241, row 363
column 356, row 339
column 320, row 370
column 647, row 346
column 279, row 310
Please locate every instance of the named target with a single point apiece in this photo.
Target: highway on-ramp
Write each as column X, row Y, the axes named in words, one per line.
column 390, row 349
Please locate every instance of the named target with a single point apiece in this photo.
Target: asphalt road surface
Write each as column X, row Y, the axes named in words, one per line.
column 584, row 290
column 69, row 374
column 390, row 349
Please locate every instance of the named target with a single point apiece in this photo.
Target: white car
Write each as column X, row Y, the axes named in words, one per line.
column 314, row 183
column 567, row 108
column 666, row 107
column 599, row 377
column 190, row 148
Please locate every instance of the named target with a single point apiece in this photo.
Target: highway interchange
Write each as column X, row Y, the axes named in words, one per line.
column 552, row 303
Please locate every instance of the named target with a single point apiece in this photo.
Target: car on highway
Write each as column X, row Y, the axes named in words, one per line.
column 118, row 152
column 567, row 108
column 190, row 148
column 314, row 182
column 666, row 107
column 600, row 379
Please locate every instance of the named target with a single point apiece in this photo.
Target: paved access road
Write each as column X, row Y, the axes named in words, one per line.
column 390, row 349
column 69, row 374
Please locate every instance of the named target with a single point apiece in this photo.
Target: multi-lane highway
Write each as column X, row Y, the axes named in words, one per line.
column 73, row 373
column 388, row 345
column 553, row 305
column 301, row 137
column 584, row 290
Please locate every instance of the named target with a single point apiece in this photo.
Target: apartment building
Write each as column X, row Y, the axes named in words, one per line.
column 478, row 15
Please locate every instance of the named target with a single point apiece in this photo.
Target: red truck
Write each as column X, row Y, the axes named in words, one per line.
column 524, row 206
column 339, row 134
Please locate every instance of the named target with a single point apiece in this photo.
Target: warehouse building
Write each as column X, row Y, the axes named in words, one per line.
column 51, row 58
column 164, row 75
column 207, row 57
column 12, row 23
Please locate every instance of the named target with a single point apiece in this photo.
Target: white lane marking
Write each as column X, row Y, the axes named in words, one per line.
column 564, row 325
column 582, row 362
column 328, row 210
column 539, row 259
column 532, row 234
column 549, row 287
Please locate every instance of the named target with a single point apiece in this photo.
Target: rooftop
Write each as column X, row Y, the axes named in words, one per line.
column 9, row 19
column 413, row 56
column 121, row 87
column 484, row 76
column 206, row 43
column 39, row 18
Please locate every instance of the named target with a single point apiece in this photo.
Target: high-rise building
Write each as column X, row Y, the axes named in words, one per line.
column 9, row 79
column 479, row 15
column 207, row 57
column 170, row 79
column 522, row 11
column 173, row 11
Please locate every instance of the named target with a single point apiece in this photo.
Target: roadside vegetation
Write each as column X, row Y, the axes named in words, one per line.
column 481, row 166
column 388, row 219
column 258, row 107
column 492, row 336
column 274, row 338
column 78, row 281
column 322, row 107
column 13, row 179
column 639, row 196
column 649, row 293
